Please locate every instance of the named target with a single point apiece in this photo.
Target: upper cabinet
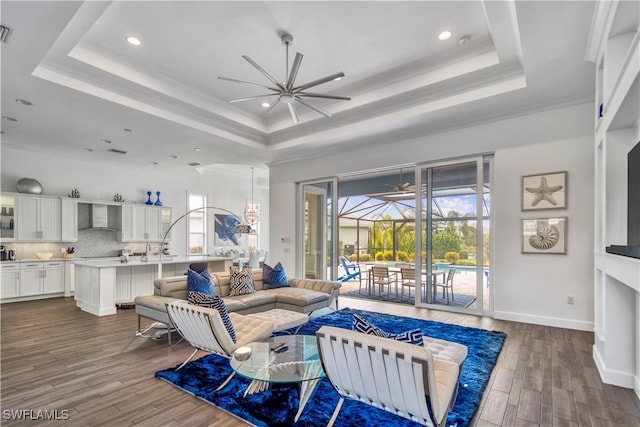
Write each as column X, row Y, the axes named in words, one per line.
column 7, row 217
column 38, row 218
column 142, row 223
column 69, row 210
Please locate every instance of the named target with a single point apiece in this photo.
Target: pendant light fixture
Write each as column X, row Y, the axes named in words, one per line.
column 252, row 209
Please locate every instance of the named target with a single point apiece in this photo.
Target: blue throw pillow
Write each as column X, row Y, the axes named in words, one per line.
column 413, row 336
column 200, row 282
column 274, row 277
column 213, row 301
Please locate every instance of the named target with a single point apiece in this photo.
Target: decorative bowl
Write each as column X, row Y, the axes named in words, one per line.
column 44, row 255
column 242, row 353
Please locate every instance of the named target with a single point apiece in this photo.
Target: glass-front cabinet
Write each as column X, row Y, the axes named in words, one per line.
column 7, row 217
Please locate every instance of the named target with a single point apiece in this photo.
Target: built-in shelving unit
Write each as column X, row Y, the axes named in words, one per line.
column 615, row 49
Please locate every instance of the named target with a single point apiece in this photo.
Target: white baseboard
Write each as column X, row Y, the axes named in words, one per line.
column 612, row 376
column 545, row 321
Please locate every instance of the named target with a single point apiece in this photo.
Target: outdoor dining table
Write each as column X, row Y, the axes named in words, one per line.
column 397, row 272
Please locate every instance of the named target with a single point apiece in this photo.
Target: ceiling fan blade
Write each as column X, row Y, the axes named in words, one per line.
column 272, row 105
column 322, row 95
column 248, row 98
column 259, row 68
column 294, row 70
column 324, row 113
column 248, row 83
column 294, row 113
column 319, row 81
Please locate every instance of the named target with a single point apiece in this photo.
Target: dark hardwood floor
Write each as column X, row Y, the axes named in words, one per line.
column 56, row 357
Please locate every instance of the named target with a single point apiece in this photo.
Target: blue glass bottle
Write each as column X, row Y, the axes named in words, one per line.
column 158, row 202
column 11, row 224
column 148, row 202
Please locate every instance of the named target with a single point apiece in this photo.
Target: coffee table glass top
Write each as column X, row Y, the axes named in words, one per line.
column 283, row 359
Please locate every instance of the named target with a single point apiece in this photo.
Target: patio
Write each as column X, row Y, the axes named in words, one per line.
column 464, row 283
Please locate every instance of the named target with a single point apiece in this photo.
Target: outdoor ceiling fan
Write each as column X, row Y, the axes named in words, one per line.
column 287, row 92
column 402, row 187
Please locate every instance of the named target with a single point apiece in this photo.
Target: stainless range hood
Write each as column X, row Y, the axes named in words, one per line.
column 95, row 216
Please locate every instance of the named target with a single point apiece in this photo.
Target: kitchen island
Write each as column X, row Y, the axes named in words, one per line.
column 102, row 283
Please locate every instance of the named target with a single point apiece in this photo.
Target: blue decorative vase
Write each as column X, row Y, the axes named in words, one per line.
column 158, row 202
column 149, row 202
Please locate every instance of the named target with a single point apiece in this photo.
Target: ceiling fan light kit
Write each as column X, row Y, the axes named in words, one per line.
column 287, row 92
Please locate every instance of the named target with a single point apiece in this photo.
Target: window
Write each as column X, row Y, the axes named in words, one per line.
column 197, row 225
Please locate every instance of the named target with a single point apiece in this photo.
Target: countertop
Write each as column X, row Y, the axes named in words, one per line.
column 152, row 259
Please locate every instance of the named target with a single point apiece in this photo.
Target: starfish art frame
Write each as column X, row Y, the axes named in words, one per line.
column 544, row 191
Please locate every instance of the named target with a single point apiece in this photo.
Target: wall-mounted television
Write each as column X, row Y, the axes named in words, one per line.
column 632, row 248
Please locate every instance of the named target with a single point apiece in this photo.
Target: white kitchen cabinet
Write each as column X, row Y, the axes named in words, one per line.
column 7, row 217
column 53, row 277
column 31, row 279
column 9, row 280
column 38, row 219
column 40, row 278
column 142, row 223
column 69, row 220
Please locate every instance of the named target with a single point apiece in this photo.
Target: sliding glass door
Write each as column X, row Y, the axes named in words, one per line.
column 316, row 260
column 454, row 241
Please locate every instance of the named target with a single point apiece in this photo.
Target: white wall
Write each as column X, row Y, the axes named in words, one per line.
column 228, row 188
column 531, row 288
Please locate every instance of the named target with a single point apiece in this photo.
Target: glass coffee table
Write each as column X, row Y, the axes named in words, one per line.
column 283, row 359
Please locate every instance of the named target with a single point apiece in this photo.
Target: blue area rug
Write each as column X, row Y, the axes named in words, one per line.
column 278, row 405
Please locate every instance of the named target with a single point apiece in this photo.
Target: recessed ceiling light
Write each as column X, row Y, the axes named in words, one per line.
column 444, row 35
column 134, row 41
column 106, row 141
column 23, row 102
column 154, row 163
column 88, row 149
column 337, row 78
column 9, row 118
column 266, row 105
column 194, row 164
column 197, row 148
column 128, row 130
column 173, row 156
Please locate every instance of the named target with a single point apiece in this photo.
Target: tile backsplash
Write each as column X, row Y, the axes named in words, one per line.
column 91, row 243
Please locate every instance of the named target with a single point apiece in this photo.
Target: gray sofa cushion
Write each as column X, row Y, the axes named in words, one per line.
column 297, row 296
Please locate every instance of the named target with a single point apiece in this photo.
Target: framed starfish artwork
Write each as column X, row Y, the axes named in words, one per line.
column 544, row 235
column 544, row 191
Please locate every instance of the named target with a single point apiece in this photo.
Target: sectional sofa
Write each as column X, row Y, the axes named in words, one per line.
column 302, row 295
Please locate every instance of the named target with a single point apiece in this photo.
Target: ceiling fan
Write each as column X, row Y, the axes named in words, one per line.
column 402, row 187
column 287, row 92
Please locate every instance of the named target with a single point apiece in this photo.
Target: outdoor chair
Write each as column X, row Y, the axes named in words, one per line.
column 380, row 277
column 408, row 280
column 401, row 378
column 447, row 284
column 204, row 329
column 351, row 270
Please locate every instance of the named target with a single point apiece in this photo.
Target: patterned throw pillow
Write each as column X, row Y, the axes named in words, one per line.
column 274, row 277
column 241, row 282
column 413, row 336
column 213, row 301
column 200, row 282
